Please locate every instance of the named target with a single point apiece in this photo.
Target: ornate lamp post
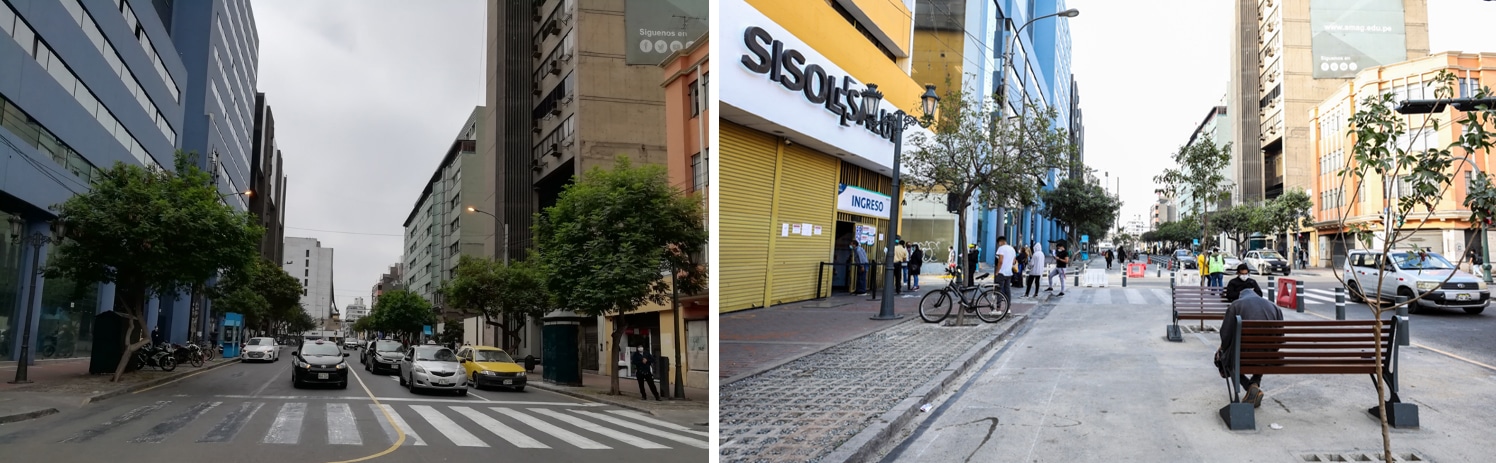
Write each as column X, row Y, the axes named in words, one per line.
column 36, row 240
column 900, row 121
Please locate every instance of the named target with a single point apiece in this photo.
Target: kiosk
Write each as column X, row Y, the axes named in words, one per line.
column 233, row 331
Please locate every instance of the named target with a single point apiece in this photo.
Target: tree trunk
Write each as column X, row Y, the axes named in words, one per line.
column 610, row 363
column 136, row 315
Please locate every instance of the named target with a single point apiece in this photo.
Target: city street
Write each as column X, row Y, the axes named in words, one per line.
column 251, row 412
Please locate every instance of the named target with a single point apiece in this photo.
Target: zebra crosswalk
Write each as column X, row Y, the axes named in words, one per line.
column 1160, row 296
column 471, row 424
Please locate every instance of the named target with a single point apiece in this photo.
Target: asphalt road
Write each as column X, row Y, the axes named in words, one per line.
column 251, row 413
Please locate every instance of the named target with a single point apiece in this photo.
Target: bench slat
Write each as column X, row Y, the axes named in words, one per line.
column 1280, row 339
column 1291, row 362
column 1306, row 355
column 1249, row 324
column 1308, row 370
column 1314, row 346
column 1308, row 330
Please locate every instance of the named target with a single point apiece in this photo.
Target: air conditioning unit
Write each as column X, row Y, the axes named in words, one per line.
column 551, row 27
column 556, row 110
column 535, row 130
column 555, row 67
column 535, row 91
column 565, row 18
column 566, row 100
column 566, row 57
column 536, row 165
column 555, row 150
column 535, row 51
column 569, row 141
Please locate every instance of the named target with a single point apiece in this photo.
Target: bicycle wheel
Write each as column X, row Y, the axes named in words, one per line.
column 935, row 306
column 992, row 306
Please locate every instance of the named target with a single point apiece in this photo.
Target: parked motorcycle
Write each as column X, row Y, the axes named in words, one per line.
column 191, row 354
column 157, row 355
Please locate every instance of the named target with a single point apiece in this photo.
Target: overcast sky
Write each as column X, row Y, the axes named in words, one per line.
column 1149, row 75
column 367, row 96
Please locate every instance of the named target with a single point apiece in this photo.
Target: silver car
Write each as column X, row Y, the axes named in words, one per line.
column 1409, row 273
column 432, row 367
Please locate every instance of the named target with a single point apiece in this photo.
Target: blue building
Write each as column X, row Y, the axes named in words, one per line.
column 85, row 84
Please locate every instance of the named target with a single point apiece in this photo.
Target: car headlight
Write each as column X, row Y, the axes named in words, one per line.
column 521, row 374
column 341, row 365
column 418, row 369
column 1428, row 285
column 489, row 373
column 303, row 365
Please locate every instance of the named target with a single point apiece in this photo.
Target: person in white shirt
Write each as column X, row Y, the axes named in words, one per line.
column 1006, row 258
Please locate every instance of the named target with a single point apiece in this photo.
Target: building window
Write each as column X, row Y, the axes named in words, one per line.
column 836, row 4
column 698, row 173
column 695, row 94
column 306, row 272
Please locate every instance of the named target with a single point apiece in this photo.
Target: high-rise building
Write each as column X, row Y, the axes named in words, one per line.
column 389, row 281
column 267, row 180
column 308, row 261
column 220, row 38
column 439, row 228
column 85, row 84
column 1212, row 129
column 1289, row 55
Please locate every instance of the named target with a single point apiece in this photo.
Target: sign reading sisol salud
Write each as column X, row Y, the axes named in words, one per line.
column 788, row 67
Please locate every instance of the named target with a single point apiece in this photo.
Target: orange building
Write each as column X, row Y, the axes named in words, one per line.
column 1445, row 229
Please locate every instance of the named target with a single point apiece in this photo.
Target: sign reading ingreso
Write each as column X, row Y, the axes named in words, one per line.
column 1351, row 35
column 862, row 202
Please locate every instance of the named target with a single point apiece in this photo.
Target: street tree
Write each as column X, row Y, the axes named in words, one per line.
column 263, row 292
column 1201, row 176
column 300, row 322
column 1081, row 206
column 1285, row 215
column 608, row 244
column 976, row 155
column 1239, row 222
column 505, row 295
column 1383, row 149
column 402, row 313
column 151, row 233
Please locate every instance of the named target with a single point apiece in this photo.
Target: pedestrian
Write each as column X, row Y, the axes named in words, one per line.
column 644, row 364
column 950, row 261
column 973, row 258
column 1035, row 269
column 859, row 263
column 1217, row 264
column 1108, row 255
column 916, row 261
column 1250, row 306
column 1203, row 266
column 1023, row 260
column 1061, row 260
column 1242, row 282
column 213, row 338
column 1006, row 260
column 156, row 337
column 900, row 258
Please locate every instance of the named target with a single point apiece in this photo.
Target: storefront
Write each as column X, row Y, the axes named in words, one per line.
column 61, row 326
column 805, row 174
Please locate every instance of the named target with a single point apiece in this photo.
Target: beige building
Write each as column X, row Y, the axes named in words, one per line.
column 438, row 229
column 1287, row 57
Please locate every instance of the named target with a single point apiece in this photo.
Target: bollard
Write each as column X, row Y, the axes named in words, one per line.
column 1171, row 280
column 1124, row 279
column 1402, row 321
column 1272, row 290
column 1340, row 303
column 1298, row 296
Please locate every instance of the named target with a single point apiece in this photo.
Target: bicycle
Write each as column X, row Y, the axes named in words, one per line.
column 990, row 306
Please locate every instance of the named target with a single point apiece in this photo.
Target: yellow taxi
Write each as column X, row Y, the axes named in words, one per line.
column 491, row 366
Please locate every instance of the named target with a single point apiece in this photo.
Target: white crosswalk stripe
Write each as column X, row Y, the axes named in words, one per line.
column 564, row 425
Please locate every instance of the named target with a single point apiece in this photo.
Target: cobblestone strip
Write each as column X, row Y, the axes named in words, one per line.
column 803, row 410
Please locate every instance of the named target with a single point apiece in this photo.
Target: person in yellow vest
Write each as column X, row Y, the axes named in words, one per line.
column 1203, row 267
column 1217, row 264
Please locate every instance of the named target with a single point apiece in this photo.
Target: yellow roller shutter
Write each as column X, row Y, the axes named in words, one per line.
column 806, row 195
column 745, row 191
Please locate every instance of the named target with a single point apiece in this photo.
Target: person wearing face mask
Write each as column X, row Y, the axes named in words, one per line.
column 1241, row 282
column 644, row 365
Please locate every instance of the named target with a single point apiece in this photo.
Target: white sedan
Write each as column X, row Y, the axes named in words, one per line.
column 261, row 349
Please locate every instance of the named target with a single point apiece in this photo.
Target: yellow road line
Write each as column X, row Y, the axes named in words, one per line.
column 387, row 417
column 1425, row 347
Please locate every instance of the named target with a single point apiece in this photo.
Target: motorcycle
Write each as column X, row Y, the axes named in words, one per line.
column 189, row 353
column 158, row 355
column 57, row 345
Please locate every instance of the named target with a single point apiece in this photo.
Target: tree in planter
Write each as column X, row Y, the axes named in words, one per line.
column 1285, row 215
column 402, row 313
column 1081, row 206
column 151, row 232
column 608, row 244
column 1200, row 175
column 1239, row 222
column 1383, row 150
column 505, row 295
column 976, row 156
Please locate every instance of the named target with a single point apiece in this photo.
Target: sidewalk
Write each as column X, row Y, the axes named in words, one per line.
column 695, row 409
column 1098, row 382
column 66, row 384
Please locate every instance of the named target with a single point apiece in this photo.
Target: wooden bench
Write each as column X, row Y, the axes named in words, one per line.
column 1196, row 303
column 1318, row 347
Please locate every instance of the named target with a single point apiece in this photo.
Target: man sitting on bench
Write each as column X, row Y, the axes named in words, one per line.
column 1250, row 306
column 1241, row 282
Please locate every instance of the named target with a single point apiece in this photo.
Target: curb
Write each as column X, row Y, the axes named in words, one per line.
column 27, row 415
column 591, row 398
column 866, row 443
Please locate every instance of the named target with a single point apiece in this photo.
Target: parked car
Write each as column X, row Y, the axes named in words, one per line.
column 1230, row 261
column 261, row 349
column 319, row 362
column 352, row 343
column 432, row 367
column 1410, row 273
column 1184, row 259
column 383, row 355
column 1267, row 262
column 491, row 366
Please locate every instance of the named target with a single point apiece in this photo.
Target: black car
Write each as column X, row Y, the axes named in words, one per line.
column 383, row 356
column 319, row 362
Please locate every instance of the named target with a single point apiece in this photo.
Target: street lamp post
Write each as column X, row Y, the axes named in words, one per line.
column 496, row 223
column 901, row 120
column 36, row 240
column 1008, row 64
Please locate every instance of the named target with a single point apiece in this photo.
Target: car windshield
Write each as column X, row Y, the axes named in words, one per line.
column 439, row 354
column 491, row 356
column 313, row 348
column 1421, row 261
column 1269, row 255
column 1181, row 253
column 387, row 346
column 261, row 342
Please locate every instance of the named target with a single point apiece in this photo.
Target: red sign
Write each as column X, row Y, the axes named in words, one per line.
column 1286, row 290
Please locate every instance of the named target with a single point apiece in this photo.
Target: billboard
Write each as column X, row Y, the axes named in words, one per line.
column 1351, row 35
column 653, row 29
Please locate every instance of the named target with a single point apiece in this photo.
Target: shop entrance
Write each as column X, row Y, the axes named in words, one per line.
column 842, row 255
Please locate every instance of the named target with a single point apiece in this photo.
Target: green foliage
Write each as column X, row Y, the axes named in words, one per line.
column 506, row 295
column 363, row 325
column 301, row 321
column 452, row 332
column 1201, row 176
column 1240, row 222
column 1177, row 233
column 401, row 312
column 612, row 238
column 151, row 233
column 1082, row 207
column 267, row 296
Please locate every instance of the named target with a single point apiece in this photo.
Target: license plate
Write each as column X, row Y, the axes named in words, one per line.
column 321, row 375
column 1462, row 297
column 508, row 381
column 439, row 382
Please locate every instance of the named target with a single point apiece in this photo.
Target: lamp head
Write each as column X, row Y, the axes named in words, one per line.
column 1070, row 13
column 249, row 192
column 871, row 97
column 59, row 230
column 929, row 100
column 17, row 226
column 472, row 209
